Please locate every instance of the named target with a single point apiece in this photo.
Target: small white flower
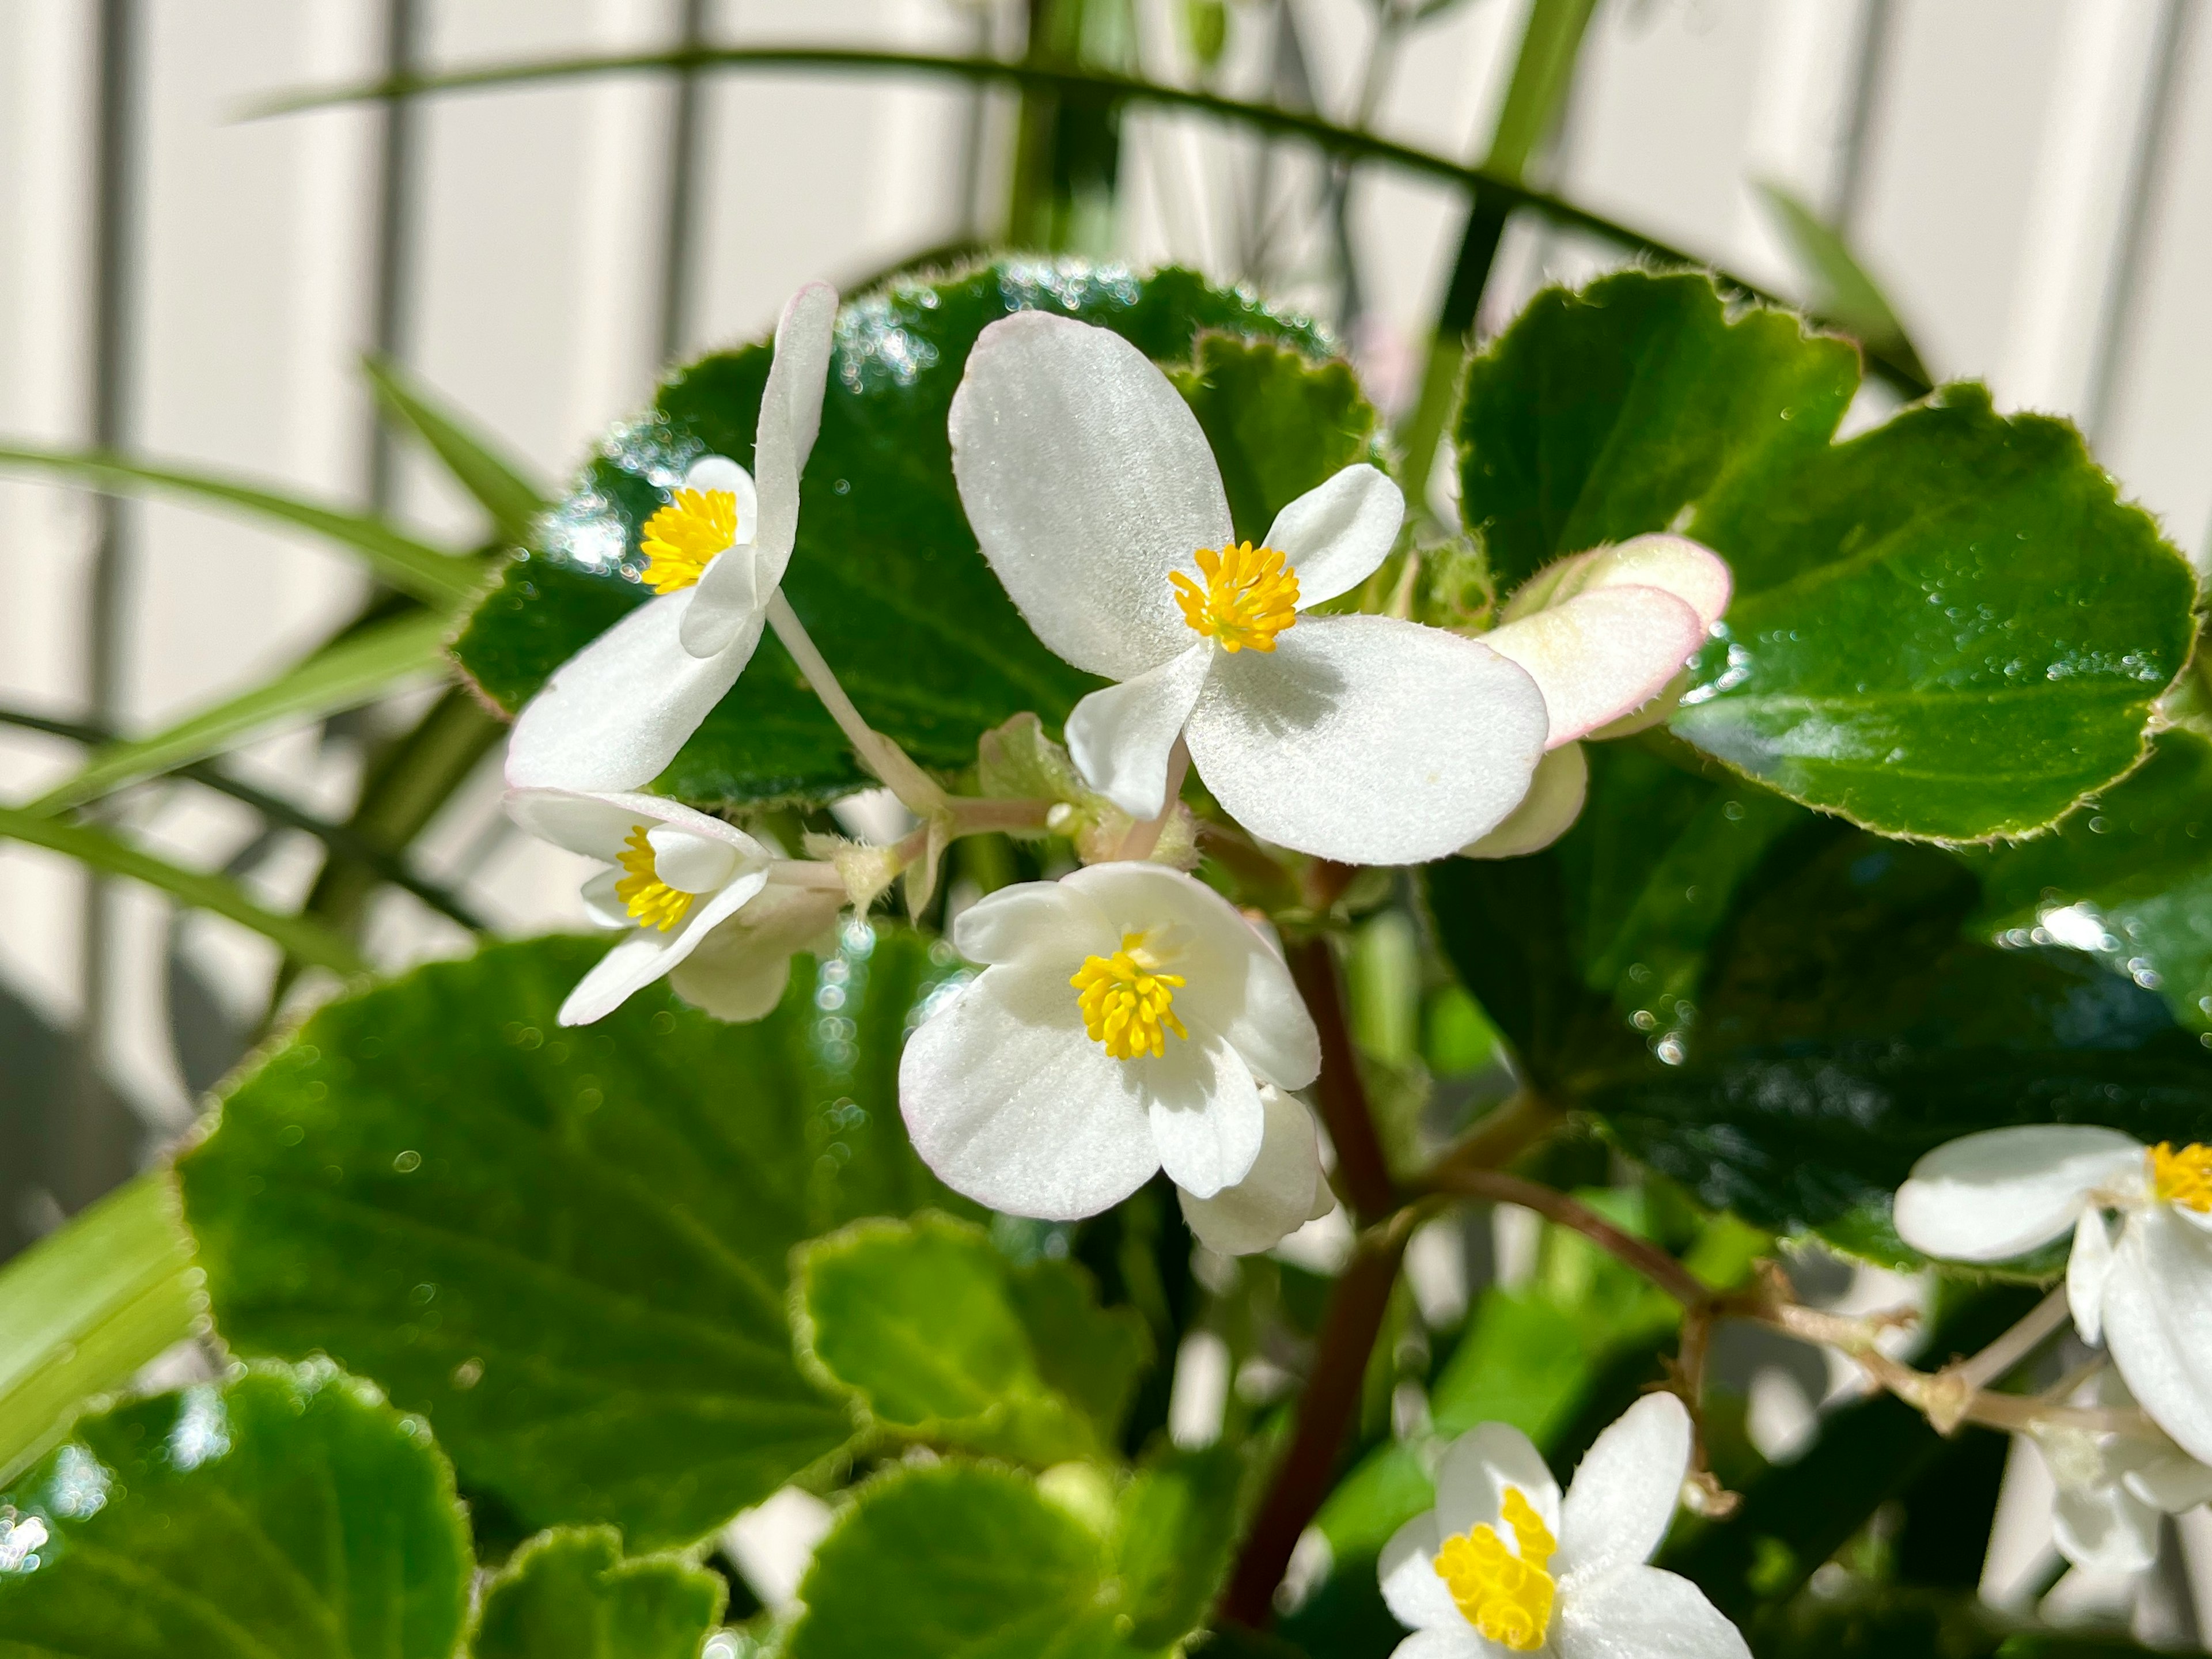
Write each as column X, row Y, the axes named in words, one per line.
column 1998, row 1194
column 694, row 894
column 614, row 714
column 1125, row 1020
column 1502, row 1566
column 1285, row 1187
column 1097, row 499
column 2112, row 1488
column 1605, row 634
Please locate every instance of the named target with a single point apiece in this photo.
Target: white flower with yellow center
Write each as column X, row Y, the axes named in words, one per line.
column 1097, row 499
column 702, row 902
column 1126, row 1021
column 2147, row 1295
column 614, row 714
column 1503, row 1567
column 1606, row 636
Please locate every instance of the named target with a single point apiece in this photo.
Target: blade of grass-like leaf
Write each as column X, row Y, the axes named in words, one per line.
column 305, row 939
column 429, row 574
column 499, row 484
column 341, row 676
column 85, row 1306
column 1847, row 296
column 1266, row 117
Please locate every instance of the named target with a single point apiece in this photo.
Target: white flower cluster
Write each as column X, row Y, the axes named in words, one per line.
column 2138, row 1279
column 1128, row 1020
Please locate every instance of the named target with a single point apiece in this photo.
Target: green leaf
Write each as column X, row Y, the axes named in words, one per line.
column 1844, row 294
column 1176, row 1530
column 83, row 1309
column 2128, row 878
column 571, row 1595
column 930, row 1327
column 885, row 575
column 1846, row 1024
column 353, row 670
column 435, row 575
column 1948, row 627
column 198, row 889
column 1280, row 424
column 958, row 1561
column 568, row 1247
column 287, row 1513
column 499, row 483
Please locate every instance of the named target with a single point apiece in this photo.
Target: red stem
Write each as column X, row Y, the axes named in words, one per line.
column 1331, row 1396
column 1359, row 1162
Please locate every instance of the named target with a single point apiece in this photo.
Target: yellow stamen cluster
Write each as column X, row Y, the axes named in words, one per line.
column 1128, row 1003
column 650, row 900
column 2184, row 1178
column 1249, row 597
column 1507, row 1597
column 683, row 538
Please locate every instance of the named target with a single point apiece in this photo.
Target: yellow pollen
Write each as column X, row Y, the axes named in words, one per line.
column 1128, row 1003
column 2184, row 1178
column 683, row 538
column 1506, row 1596
column 652, row 900
column 1250, row 596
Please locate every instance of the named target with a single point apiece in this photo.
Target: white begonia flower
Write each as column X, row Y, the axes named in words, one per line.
column 1603, row 633
column 613, row 715
column 1097, row 499
column 2113, row 1488
column 1285, row 1187
column 1991, row 1196
column 1501, row 1565
column 694, row 895
column 1125, row 1020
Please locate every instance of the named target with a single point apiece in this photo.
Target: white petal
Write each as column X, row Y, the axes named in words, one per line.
column 790, row 416
column 728, row 597
column 2104, row 1529
column 1598, row 655
column 614, row 714
column 1205, row 1109
column 2157, row 1324
column 1625, row 1491
column 1693, row 572
column 690, row 863
column 1277, row 1198
column 1121, row 737
column 1335, row 534
column 739, row 971
column 1235, row 984
column 1643, row 1614
column 599, row 824
column 648, row 953
column 2168, row 1480
column 2087, row 1266
column 1367, row 739
column 1041, row 922
column 1086, row 480
column 1547, row 812
column 712, row 472
column 1010, row 1103
column 1476, row 1469
column 603, row 904
column 1448, row 1642
column 1990, row 1196
column 1416, row 1596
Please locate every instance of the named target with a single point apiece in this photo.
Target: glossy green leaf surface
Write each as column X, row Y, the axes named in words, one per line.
column 931, row 1328
column 571, row 1595
column 1947, row 627
column 566, row 1247
column 1279, row 422
column 83, row 1309
column 2128, row 878
column 885, row 573
column 958, row 1561
column 288, row 1512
